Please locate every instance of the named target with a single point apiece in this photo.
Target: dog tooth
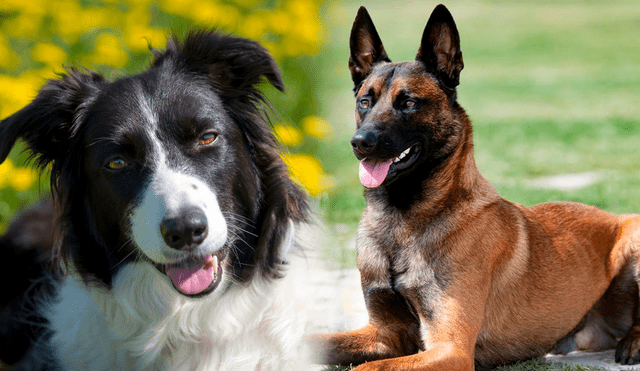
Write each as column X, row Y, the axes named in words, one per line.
column 215, row 265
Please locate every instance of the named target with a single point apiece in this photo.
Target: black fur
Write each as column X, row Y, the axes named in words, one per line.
column 77, row 121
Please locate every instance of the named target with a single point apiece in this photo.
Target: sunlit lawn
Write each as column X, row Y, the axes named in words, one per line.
column 551, row 88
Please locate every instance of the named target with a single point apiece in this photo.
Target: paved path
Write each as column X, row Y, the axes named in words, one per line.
column 333, row 298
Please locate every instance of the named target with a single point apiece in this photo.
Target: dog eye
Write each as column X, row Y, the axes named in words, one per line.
column 364, row 103
column 117, row 163
column 409, row 104
column 208, row 138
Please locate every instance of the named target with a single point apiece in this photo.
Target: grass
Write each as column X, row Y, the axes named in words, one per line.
column 551, row 88
column 531, row 365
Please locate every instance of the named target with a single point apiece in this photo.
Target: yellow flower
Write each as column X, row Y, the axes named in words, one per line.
column 108, row 51
column 67, row 17
column 10, row 5
column 248, row 4
column 179, row 7
column 137, row 15
column 23, row 25
column 309, row 172
column 26, row 24
column 227, row 17
column 19, row 178
column 253, row 26
column 288, row 135
column 6, row 170
column 316, row 127
column 273, row 50
column 8, row 59
column 23, row 178
column 291, row 46
column 34, row 6
column 138, row 37
column 205, row 12
column 16, row 93
column 97, row 17
column 49, row 53
column 72, row 20
column 302, row 7
column 279, row 21
column 135, row 2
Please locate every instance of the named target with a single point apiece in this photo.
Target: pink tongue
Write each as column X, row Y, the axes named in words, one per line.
column 192, row 280
column 372, row 174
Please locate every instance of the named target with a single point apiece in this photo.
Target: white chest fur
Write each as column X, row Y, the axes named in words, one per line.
column 144, row 324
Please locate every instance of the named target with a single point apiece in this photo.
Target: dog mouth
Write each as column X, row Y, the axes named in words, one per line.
column 195, row 276
column 374, row 172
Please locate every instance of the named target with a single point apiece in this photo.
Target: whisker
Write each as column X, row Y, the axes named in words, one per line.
column 246, row 231
column 239, row 217
column 99, row 140
column 235, row 236
column 125, row 258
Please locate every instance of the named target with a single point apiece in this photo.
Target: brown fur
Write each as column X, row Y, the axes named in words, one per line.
column 447, row 265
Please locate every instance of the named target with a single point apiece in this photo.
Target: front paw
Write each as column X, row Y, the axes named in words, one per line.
column 374, row 366
column 628, row 349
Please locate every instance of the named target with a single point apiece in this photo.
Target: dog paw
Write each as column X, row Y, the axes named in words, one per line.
column 369, row 366
column 628, row 349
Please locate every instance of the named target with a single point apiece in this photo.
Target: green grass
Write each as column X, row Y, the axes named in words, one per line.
column 550, row 88
column 539, row 365
column 531, row 365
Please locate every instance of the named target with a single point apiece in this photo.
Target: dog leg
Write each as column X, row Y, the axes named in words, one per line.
column 366, row 344
column 628, row 349
column 393, row 332
column 443, row 357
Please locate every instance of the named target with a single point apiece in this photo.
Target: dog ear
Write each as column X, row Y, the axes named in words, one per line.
column 440, row 48
column 47, row 123
column 366, row 47
column 234, row 65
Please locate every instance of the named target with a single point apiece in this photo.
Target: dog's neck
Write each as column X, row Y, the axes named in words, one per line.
column 450, row 181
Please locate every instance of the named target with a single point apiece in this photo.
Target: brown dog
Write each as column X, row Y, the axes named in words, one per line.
column 447, row 265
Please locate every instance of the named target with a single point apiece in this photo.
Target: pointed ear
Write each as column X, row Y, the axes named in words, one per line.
column 234, row 65
column 47, row 123
column 440, row 48
column 366, row 47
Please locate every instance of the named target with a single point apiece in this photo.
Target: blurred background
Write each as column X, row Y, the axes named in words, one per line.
column 552, row 87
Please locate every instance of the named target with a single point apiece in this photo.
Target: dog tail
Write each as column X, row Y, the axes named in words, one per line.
column 26, row 277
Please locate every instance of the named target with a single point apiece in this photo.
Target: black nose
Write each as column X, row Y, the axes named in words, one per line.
column 186, row 230
column 364, row 141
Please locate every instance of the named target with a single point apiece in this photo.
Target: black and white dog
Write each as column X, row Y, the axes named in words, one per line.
column 173, row 216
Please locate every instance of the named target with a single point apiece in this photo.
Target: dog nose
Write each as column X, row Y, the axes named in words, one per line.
column 186, row 230
column 364, row 141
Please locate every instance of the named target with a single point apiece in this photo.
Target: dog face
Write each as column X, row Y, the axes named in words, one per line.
column 404, row 111
column 172, row 166
column 169, row 170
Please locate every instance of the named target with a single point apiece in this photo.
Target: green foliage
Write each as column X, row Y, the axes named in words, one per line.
column 551, row 88
column 39, row 37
